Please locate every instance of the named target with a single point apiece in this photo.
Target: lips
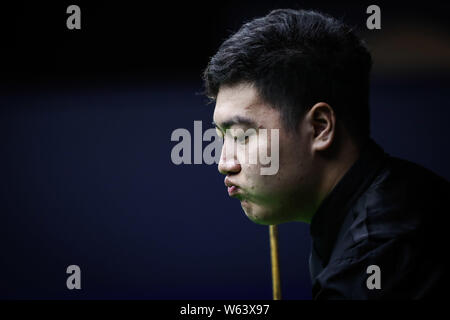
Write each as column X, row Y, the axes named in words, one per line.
column 233, row 188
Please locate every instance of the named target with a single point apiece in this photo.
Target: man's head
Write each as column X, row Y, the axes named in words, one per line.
column 307, row 75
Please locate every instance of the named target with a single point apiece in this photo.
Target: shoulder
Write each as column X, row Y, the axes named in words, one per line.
column 397, row 224
column 405, row 203
column 400, row 180
column 404, row 197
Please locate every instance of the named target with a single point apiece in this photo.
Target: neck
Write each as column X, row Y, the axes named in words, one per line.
column 336, row 167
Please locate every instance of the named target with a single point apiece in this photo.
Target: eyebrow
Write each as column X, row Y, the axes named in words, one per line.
column 235, row 120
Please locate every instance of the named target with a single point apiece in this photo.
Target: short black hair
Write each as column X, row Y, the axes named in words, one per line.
column 296, row 58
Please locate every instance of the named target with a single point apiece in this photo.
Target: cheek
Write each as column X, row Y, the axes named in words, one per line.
column 289, row 174
column 291, row 154
column 252, row 170
column 252, row 176
column 248, row 155
column 291, row 170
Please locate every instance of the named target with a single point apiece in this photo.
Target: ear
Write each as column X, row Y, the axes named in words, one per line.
column 323, row 122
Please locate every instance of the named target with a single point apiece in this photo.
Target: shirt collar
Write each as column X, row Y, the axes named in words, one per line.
column 327, row 220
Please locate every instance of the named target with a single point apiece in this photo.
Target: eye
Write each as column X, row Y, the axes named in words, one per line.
column 241, row 138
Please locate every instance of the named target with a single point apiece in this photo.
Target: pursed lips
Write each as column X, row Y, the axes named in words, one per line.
column 233, row 189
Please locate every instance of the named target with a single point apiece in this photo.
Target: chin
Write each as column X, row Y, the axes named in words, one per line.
column 259, row 215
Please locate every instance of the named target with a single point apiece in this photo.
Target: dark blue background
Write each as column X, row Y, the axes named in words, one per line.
column 87, row 179
column 86, row 176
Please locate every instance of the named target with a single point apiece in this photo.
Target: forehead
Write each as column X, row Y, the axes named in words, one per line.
column 243, row 101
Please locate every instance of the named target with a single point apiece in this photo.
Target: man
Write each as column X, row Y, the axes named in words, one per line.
column 375, row 220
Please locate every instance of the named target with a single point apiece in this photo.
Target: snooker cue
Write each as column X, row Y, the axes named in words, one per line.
column 276, row 286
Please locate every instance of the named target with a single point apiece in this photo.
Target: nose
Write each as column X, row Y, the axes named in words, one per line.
column 228, row 164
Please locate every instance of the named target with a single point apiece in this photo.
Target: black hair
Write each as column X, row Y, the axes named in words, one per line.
column 296, row 58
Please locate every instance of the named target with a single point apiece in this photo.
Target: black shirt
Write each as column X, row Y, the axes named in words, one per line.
column 384, row 212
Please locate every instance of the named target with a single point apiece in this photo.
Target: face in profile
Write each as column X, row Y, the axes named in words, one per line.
column 286, row 195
